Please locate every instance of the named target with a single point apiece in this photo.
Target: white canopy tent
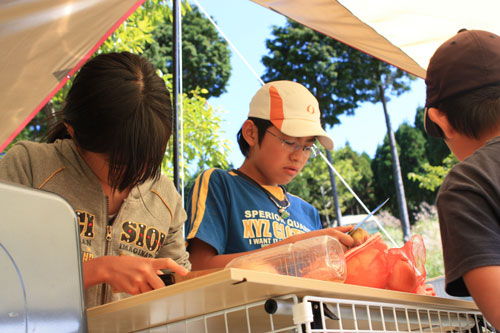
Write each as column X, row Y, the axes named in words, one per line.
column 42, row 43
column 400, row 32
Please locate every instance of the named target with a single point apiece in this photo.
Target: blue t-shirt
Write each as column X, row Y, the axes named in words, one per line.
column 233, row 215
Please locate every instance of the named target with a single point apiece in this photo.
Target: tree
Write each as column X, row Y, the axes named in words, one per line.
column 356, row 170
column 340, row 78
column 137, row 31
column 436, row 149
column 312, row 183
column 412, row 155
column 440, row 159
column 202, row 145
column 431, row 177
column 389, row 79
column 326, row 67
column 205, row 55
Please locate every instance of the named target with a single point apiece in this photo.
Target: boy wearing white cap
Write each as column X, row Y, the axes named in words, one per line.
column 463, row 108
column 231, row 213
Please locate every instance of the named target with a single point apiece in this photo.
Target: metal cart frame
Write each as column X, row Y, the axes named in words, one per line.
column 235, row 300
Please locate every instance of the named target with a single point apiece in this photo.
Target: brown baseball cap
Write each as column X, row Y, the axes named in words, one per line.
column 465, row 62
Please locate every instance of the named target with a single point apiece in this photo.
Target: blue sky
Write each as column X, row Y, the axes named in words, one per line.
column 248, row 25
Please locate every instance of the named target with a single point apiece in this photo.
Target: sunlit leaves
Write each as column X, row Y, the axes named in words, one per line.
column 201, row 141
column 431, row 176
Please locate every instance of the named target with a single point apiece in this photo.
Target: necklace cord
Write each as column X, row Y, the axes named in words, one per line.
column 281, row 204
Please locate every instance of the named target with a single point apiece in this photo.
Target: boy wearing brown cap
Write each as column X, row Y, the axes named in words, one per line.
column 231, row 213
column 463, row 108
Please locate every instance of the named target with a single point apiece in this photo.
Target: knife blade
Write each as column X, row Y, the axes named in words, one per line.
column 366, row 218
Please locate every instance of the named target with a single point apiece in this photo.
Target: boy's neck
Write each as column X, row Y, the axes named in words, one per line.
column 251, row 171
column 464, row 146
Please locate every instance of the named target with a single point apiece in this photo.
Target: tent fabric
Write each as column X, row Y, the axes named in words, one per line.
column 44, row 42
column 402, row 33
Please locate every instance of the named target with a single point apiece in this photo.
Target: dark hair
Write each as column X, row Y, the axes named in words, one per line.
column 262, row 126
column 473, row 113
column 119, row 106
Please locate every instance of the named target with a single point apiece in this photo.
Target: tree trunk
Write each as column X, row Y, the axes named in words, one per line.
column 398, row 180
column 338, row 213
column 325, row 204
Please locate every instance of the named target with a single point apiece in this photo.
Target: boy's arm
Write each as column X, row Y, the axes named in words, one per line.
column 484, row 287
column 204, row 256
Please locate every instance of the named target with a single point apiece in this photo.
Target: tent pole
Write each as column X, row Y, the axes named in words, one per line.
column 177, row 87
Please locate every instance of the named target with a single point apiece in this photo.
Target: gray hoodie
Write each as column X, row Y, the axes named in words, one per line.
column 148, row 224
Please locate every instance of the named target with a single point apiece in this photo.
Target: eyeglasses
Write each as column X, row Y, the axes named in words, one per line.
column 292, row 147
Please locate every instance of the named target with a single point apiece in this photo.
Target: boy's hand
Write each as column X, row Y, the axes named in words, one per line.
column 360, row 236
column 347, row 241
column 340, row 233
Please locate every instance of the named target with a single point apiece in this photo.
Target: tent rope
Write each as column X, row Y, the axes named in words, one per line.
column 229, row 42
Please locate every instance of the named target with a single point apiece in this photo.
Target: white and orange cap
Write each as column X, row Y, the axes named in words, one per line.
column 291, row 108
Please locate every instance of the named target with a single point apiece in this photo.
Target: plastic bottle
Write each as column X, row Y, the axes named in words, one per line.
column 320, row 258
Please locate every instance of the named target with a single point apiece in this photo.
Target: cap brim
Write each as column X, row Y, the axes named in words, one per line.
column 430, row 127
column 300, row 128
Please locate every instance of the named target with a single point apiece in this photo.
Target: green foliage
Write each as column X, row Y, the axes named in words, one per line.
column 355, row 169
column 435, row 148
column 36, row 128
column 205, row 55
column 431, row 177
column 339, row 76
column 412, row 157
column 383, row 175
column 439, row 159
column 300, row 54
column 137, row 30
column 202, row 146
column 313, row 183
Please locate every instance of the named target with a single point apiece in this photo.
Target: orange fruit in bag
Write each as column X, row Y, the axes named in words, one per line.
column 367, row 263
column 402, row 277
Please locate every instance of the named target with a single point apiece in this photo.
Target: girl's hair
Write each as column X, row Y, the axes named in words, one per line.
column 262, row 125
column 120, row 107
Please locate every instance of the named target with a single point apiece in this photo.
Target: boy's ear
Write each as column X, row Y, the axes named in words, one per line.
column 70, row 129
column 442, row 121
column 250, row 133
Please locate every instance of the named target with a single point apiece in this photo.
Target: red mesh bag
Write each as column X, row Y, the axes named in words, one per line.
column 367, row 263
column 372, row 264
